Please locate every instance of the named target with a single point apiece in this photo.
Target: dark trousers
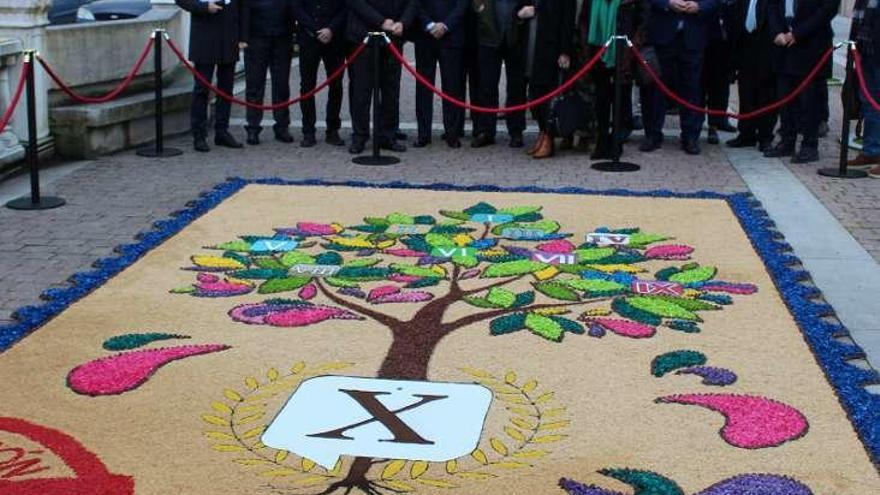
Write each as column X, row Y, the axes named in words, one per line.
column 199, row 108
column 757, row 88
column 490, row 59
column 270, row 54
column 428, row 54
column 603, row 78
column 716, row 79
column 802, row 116
column 684, row 66
column 312, row 52
column 360, row 92
column 470, row 75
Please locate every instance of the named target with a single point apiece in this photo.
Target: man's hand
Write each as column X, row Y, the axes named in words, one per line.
column 691, row 8
column 564, row 61
column 397, row 29
column 791, row 40
column 325, row 35
column 679, row 6
column 242, row 45
column 781, row 39
column 388, row 25
column 526, row 12
column 213, row 8
column 439, row 30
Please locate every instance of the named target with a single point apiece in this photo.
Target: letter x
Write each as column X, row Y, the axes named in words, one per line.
column 401, row 431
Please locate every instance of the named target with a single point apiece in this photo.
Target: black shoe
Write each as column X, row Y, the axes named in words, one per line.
column 726, row 126
column 357, row 147
column 650, row 144
column 712, row 137
column 637, row 123
column 332, row 138
column 253, row 137
column 400, row 136
column 225, row 139
column 201, row 145
column 283, row 135
column 690, row 147
column 781, row 149
column 422, row 142
column 395, row 147
column 308, row 141
column 482, row 140
column 516, row 141
column 823, row 129
column 765, row 145
column 806, row 155
column 742, row 142
column 453, row 142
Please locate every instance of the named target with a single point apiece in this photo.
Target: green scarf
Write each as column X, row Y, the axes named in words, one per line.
column 603, row 24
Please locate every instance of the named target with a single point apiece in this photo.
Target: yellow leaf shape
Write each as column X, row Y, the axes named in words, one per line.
column 218, row 435
column 546, row 274
column 544, row 398
column 217, row 262
column 355, row 242
column 510, row 378
column 392, row 469
column 597, row 312
column 615, row 268
column 221, row 407
column 395, row 485
column 498, row 446
column 228, row 448
column 556, row 310
column 418, row 468
column 480, row 456
column 522, row 411
column 439, row 270
column 510, row 464
column 386, row 244
column 530, row 386
column 477, row 373
column 514, row 433
column 476, row 475
column 513, row 399
column 273, row 374
column 253, row 432
column 245, row 410
column 462, row 240
column 252, row 462
column 548, row 438
column 522, row 423
column 691, row 293
column 214, row 420
column 337, row 227
column 281, row 455
column 436, row 483
column 451, row 466
column 249, row 419
column 554, row 426
column 258, row 446
column 530, row 454
column 280, row 473
column 311, row 480
column 251, row 383
column 307, row 464
column 550, row 413
column 232, row 395
column 496, row 251
column 297, row 368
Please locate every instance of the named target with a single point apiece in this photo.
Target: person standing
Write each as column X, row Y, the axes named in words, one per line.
column 392, row 17
column 752, row 40
column 678, row 31
column 440, row 40
column 865, row 31
column 501, row 37
column 270, row 49
column 548, row 54
column 718, row 70
column 320, row 39
column 801, row 34
column 218, row 32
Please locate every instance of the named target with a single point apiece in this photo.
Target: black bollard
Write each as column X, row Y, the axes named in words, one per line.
column 377, row 44
column 35, row 201
column 615, row 165
column 158, row 150
column 842, row 172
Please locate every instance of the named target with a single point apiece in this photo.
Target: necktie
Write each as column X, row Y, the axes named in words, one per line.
column 752, row 16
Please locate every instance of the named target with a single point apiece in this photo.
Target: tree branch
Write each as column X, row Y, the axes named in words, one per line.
column 495, row 284
column 478, row 317
column 380, row 317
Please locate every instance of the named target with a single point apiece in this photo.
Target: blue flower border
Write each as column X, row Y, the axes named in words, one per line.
column 832, row 355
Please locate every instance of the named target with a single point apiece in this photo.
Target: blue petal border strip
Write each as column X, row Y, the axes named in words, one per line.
column 862, row 407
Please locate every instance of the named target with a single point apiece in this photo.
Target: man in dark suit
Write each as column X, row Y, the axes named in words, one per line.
column 501, row 38
column 440, row 39
column 218, row 31
column 392, row 17
column 270, row 49
column 718, row 70
column 321, row 38
column 753, row 41
column 801, row 33
column 678, row 31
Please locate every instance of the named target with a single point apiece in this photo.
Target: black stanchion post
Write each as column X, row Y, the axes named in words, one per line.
column 842, row 172
column 36, row 201
column 158, row 150
column 615, row 165
column 377, row 44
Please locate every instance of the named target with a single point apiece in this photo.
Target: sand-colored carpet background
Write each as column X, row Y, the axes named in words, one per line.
column 156, row 434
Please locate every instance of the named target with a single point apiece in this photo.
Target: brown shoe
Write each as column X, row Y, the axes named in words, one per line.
column 538, row 144
column 547, row 149
column 863, row 162
column 874, row 173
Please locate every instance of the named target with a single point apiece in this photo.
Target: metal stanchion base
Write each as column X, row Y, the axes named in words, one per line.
column 376, row 161
column 614, row 166
column 45, row 203
column 155, row 153
column 849, row 174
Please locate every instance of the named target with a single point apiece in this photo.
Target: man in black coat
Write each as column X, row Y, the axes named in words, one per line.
column 752, row 40
column 802, row 33
column 218, row 32
column 321, row 38
column 270, row 49
column 440, row 39
column 392, row 17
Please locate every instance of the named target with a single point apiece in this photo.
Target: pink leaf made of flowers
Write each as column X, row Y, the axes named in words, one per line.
column 382, row 291
column 556, row 247
column 404, row 297
column 669, row 252
column 626, row 328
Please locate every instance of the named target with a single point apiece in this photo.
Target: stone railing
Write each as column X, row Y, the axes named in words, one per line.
column 11, row 149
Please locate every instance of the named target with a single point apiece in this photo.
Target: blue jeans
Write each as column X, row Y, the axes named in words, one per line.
column 871, row 130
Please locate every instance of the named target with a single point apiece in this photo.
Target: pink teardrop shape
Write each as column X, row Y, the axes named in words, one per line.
column 207, row 278
column 382, row 291
column 626, row 328
column 308, row 292
column 752, row 422
column 403, row 279
column 669, row 252
column 469, row 274
column 405, row 253
column 310, row 228
column 404, row 297
column 127, row 371
column 302, row 317
column 556, row 247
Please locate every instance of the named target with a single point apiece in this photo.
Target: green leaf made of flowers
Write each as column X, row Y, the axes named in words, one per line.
column 544, row 327
column 570, row 326
column 276, row 285
column 480, row 302
column 328, row 259
column 641, row 239
column 671, row 361
column 292, row 258
column 481, row 207
column 557, row 291
column 414, row 271
column 595, row 286
column 268, row 262
column 689, row 304
column 500, row 297
column 594, row 254
column 342, row 283
column 377, row 221
column 520, row 210
column 424, row 220
column 694, row 275
column 513, row 268
column 363, row 273
column 507, row 324
column 400, row 218
column 244, row 260
column 362, row 262
column 661, row 308
column 524, row 299
column 258, row 274
column 622, row 307
column 455, row 215
column 465, row 261
column 439, row 240
column 238, row 245
column 547, row 226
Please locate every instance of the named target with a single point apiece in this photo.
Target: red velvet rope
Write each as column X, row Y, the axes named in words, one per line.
column 222, row 94
column 19, row 89
column 863, row 84
column 517, row 108
column 112, row 94
column 722, row 113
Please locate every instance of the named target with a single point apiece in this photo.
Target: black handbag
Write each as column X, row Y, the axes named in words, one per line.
column 849, row 96
column 568, row 113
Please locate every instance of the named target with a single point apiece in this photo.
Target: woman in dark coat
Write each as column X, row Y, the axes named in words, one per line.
column 548, row 51
column 599, row 20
